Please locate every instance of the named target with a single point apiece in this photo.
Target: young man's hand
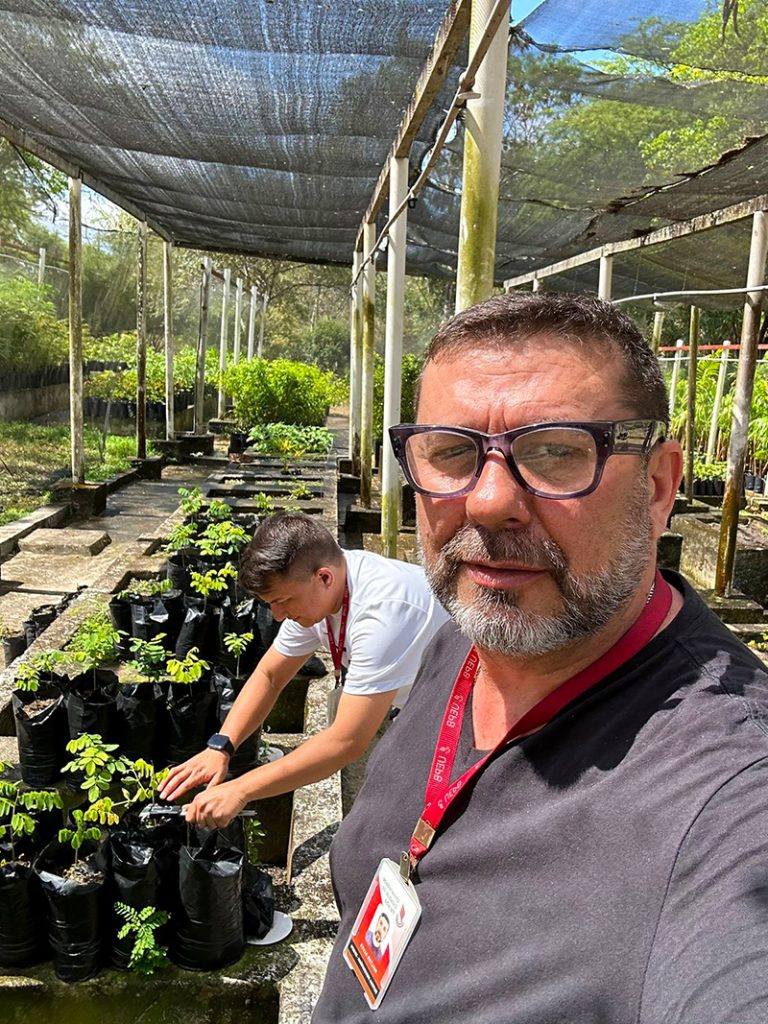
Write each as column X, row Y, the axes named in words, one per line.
column 216, row 806
column 209, row 767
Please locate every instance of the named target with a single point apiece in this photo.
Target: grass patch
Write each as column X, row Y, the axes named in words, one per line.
column 34, row 457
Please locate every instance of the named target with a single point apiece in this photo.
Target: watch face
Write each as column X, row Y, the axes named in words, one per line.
column 220, row 742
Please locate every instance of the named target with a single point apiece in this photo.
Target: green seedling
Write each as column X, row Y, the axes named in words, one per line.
column 237, row 644
column 263, row 504
column 181, row 538
column 149, row 657
column 187, row 670
column 213, row 581
column 191, row 503
column 218, row 511
column 81, row 831
column 225, row 538
column 300, row 492
column 29, row 673
column 146, row 955
column 145, row 588
column 18, row 807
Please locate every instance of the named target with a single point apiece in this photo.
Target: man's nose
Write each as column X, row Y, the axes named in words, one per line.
column 497, row 499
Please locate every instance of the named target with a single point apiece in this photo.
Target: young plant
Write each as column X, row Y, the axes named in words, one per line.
column 29, row 673
column 191, row 503
column 82, row 830
column 219, row 511
column 263, row 504
column 213, row 581
column 149, row 657
column 237, row 644
column 96, row 761
column 180, row 539
column 187, row 670
column 145, row 588
column 18, row 806
column 225, row 538
column 300, row 492
column 96, row 642
column 139, row 783
column 146, row 954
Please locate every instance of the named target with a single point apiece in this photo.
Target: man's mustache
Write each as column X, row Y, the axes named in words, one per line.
column 477, row 544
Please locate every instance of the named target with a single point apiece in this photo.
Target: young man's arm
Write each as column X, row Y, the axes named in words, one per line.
column 357, row 720
column 253, row 704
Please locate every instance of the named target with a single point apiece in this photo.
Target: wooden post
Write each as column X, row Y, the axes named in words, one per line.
column 205, row 290
column 536, row 285
column 675, row 374
column 223, row 341
column 262, row 324
column 605, row 278
column 238, row 317
column 76, row 333
column 742, row 401
column 366, row 390
column 355, row 360
column 391, row 491
column 690, row 418
column 41, row 265
column 170, row 425
column 658, row 325
column 484, row 124
column 141, row 342
column 714, row 425
column 252, row 321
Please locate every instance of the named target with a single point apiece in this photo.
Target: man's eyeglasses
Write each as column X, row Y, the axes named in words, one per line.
column 551, row 460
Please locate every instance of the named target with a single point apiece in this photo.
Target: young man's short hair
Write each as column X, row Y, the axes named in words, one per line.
column 287, row 544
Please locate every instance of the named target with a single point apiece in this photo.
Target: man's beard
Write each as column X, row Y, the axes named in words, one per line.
column 492, row 620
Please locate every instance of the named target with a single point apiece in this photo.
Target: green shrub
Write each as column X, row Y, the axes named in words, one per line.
column 278, row 391
column 269, row 438
column 411, row 370
column 31, row 335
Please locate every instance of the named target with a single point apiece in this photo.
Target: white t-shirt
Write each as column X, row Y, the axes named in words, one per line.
column 392, row 617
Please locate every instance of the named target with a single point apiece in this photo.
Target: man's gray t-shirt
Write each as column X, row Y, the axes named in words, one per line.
column 610, row 869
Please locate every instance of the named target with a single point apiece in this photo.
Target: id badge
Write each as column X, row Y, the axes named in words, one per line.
column 382, row 930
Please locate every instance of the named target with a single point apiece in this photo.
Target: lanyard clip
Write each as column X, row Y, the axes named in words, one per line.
column 405, row 865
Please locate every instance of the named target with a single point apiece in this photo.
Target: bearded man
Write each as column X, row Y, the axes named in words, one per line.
column 579, row 778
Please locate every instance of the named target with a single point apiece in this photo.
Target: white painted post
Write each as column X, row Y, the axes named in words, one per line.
column 202, row 336
column 141, row 342
column 223, row 340
column 355, row 361
column 366, row 411
column 675, row 375
column 719, row 392
column 41, row 265
column 76, row 333
column 658, row 326
column 252, row 321
column 170, row 425
column 391, row 492
column 605, row 278
column 536, row 286
column 238, row 319
column 262, row 324
column 484, row 123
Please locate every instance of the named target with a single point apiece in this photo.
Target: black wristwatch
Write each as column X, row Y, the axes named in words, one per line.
column 221, row 742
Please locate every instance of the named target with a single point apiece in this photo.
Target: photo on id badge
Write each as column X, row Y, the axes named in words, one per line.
column 383, row 927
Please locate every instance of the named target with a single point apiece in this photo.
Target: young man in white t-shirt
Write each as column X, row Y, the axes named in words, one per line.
column 380, row 613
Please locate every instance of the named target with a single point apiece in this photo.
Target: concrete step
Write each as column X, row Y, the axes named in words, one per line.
column 65, row 542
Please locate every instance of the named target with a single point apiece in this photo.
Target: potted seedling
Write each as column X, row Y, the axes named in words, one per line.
column 180, row 549
column 191, row 504
column 146, row 955
column 141, row 699
column 218, row 511
column 221, row 540
column 227, row 689
column 237, row 644
column 189, row 706
column 215, row 581
column 40, row 718
column 300, row 492
column 22, row 941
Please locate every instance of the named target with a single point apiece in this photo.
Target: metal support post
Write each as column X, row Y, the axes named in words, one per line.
column 170, row 425
column 141, row 342
column 690, row 418
column 742, row 401
column 391, row 492
column 252, row 321
column 714, row 425
column 484, row 123
column 202, row 335
column 223, row 342
column 76, row 332
column 658, row 325
column 355, row 360
column 41, row 265
column 366, row 389
column 605, row 278
column 675, row 374
column 238, row 319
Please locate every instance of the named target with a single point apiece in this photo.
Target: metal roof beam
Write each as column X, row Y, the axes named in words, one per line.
column 447, row 42
column 704, row 222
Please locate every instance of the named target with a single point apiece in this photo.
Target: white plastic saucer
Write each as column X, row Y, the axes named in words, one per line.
column 274, row 753
column 282, row 926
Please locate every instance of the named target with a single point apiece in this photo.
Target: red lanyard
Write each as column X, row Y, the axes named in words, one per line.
column 337, row 649
column 441, row 792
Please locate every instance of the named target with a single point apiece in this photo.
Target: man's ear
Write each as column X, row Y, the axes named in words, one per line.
column 665, row 471
column 326, row 574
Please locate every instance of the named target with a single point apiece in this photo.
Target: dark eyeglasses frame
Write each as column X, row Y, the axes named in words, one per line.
column 611, row 437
